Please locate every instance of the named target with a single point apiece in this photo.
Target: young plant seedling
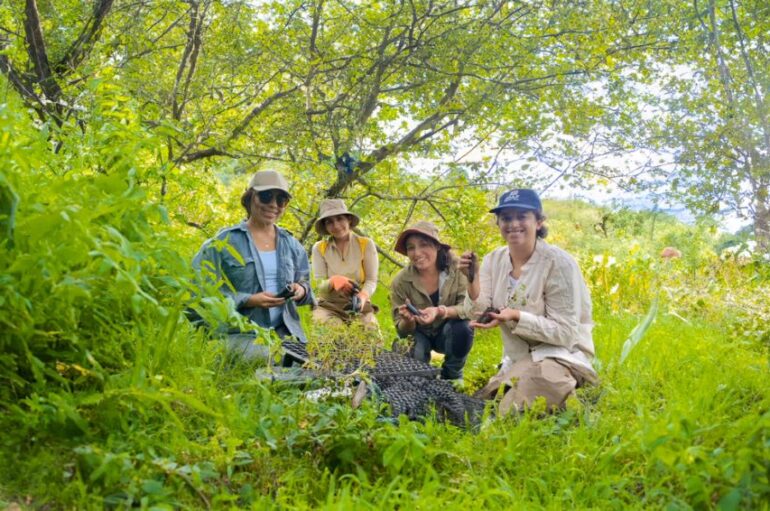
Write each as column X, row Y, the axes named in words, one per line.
column 485, row 317
column 286, row 292
column 413, row 310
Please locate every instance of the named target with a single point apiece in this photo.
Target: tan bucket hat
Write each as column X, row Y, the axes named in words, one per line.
column 269, row 180
column 427, row 229
column 333, row 207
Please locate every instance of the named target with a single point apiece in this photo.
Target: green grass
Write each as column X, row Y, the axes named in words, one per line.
column 683, row 423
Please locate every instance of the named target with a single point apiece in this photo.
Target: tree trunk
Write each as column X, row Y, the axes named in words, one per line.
column 762, row 221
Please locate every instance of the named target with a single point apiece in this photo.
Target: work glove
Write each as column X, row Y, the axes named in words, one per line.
column 340, row 284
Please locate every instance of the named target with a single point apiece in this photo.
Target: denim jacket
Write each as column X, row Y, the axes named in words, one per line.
column 247, row 277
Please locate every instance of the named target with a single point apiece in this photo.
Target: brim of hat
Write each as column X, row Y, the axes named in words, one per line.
column 522, row 206
column 401, row 241
column 320, row 228
column 270, row 187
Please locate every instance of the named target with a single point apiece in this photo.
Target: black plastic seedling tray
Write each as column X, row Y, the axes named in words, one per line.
column 394, row 364
column 296, row 349
column 412, row 388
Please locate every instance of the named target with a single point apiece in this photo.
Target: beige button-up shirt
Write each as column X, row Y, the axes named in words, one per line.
column 555, row 307
column 362, row 268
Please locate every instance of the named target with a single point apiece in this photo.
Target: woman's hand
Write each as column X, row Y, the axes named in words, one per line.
column 504, row 315
column 265, row 300
column 363, row 296
column 469, row 265
column 406, row 316
column 429, row 315
column 299, row 291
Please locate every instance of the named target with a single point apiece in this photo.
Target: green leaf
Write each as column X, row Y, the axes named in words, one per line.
column 9, row 201
column 639, row 330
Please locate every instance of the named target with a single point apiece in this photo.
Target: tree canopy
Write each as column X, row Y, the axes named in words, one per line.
column 342, row 92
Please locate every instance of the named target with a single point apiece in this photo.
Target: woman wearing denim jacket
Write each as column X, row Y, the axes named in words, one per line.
column 268, row 260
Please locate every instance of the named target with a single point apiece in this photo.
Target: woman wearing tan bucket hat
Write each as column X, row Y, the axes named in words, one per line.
column 345, row 267
column 427, row 299
column 264, row 270
column 535, row 293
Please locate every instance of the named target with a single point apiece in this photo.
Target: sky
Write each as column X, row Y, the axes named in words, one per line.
column 605, row 193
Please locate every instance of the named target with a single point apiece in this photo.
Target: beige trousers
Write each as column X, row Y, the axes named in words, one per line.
column 529, row 380
column 322, row 315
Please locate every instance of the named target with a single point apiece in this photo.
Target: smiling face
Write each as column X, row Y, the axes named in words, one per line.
column 338, row 226
column 421, row 252
column 518, row 227
column 267, row 206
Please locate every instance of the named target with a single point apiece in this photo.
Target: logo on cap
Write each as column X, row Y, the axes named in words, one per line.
column 513, row 195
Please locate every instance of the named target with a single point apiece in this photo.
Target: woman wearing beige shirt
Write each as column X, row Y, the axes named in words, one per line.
column 543, row 308
column 345, row 267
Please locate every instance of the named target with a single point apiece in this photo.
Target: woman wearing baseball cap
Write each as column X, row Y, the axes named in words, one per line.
column 535, row 293
column 345, row 267
column 269, row 277
column 427, row 299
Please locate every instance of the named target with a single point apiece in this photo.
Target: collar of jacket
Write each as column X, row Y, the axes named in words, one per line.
column 537, row 254
column 411, row 276
column 244, row 226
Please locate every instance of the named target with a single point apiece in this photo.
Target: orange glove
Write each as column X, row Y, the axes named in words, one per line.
column 340, row 283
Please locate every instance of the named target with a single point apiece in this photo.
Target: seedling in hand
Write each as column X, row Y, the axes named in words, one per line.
column 413, row 310
column 286, row 293
column 485, row 317
column 472, row 267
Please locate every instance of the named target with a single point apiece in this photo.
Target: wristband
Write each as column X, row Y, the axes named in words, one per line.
column 443, row 310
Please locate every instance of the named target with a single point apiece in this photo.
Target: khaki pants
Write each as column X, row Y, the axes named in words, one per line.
column 323, row 315
column 528, row 381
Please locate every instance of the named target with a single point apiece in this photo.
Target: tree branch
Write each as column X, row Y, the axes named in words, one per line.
column 37, row 52
column 82, row 46
column 760, row 101
column 23, row 88
column 237, row 132
column 189, row 56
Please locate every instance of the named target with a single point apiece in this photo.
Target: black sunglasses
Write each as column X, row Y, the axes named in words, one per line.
column 267, row 196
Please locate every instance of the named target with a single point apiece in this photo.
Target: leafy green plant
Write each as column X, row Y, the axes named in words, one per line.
column 343, row 350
